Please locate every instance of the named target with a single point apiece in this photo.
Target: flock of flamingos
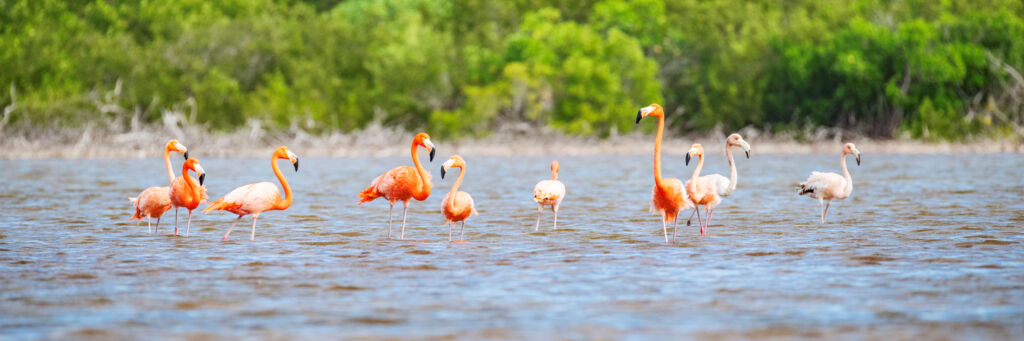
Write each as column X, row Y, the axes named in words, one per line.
column 403, row 183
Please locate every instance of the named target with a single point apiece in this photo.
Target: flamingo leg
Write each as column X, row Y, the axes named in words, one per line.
column 691, row 216
column 699, row 221
column 231, row 228
column 555, row 209
column 189, row 226
column 450, row 231
column 252, row 237
column 175, row 221
column 664, row 227
column 404, row 213
column 149, row 224
column 157, row 228
column 390, row 210
column 540, row 208
column 462, row 234
column 675, row 228
column 823, row 215
column 707, row 222
column 821, row 203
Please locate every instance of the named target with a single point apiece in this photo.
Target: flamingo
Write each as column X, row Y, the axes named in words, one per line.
column 457, row 205
column 185, row 192
column 668, row 196
column 402, row 183
column 154, row 201
column 258, row 197
column 701, row 191
column 828, row 186
column 549, row 193
column 722, row 186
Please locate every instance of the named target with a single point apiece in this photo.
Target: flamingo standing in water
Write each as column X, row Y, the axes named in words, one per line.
column 259, row 197
column 719, row 184
column 549, row 193
column 457, row 205
column 402, row 183
column 154, row 201
column 668, row 196
column 828, row 186
column 186, row 192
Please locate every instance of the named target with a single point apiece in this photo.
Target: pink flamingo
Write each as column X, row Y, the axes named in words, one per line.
column 828, row 186
column 549, row 193
column 258, row 197
column 154, row 201
column 668, row 196
column 457, row 205
column 185, row 192
column 403, row 183
column 723, row 186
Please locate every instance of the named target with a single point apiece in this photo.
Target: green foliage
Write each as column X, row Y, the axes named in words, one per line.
column 933, row 69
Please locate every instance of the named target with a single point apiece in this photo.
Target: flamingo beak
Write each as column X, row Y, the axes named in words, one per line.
column 186, row 155
column 443, row 170
column 202, row 178
column 296, row 164
column 746, row 147
column 639, row 115
column 432, row 150
column 687, row 159
column 858, row 158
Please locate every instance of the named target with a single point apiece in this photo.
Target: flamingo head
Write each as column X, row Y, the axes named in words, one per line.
column 849, row 148
column 653, row 109
column 454, row 161
column 737, row 140
column 175, row 146
column 283, row 152
column 695, row 151
column 193, row 164
column 423, row 140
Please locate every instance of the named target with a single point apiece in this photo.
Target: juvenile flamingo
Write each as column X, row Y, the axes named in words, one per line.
column 258, row 197
column 549, row 193
column 154, row 201
column 402, row 183
column 724, row 186
column 457, row 205
column 701, row 191
column 186, row 192
column 828, row 186
column 668, row 196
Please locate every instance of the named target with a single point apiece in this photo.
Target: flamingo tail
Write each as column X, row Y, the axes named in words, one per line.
column 216, row 205
column 138, row 214
column 368, row 194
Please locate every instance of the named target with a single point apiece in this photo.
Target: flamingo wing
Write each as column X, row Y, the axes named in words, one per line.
column 395, row 184
column 819, row 183
column 548, row 192
column 248, row 199
column 719, row 183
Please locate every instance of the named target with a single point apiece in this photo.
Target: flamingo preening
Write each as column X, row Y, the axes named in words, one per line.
column 549, row 193
column 154, row 201
column 668, row 196
column 457, row 205
column 403, row 183
column 187, row 192
column 828, row 186
column 258, row 197
column 719, row 184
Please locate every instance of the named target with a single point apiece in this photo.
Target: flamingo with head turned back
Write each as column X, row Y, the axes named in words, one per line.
column 724, row 186
column 829, row 186
column 186, row 192
column 668, row 196
column 154, row 201
column 549, row 193
column 457, row 205
column 258, row 197
column 403, row 183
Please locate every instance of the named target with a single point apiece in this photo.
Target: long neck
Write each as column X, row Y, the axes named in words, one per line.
column 554, row 174
column 696, row 173
column 424, row 191
column 282, row 204
column 732, row 170
column 458, row 181
column 846, row 173
column 167, row 162
column 188, row 179
column 657, row 151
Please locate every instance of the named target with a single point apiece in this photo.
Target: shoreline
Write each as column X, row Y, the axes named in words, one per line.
column 382, row 142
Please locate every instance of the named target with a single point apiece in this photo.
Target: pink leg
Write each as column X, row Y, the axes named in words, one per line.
column 664, row 227
column 675, row 228
column 450, row 231
column 821, row 203
column 540, row 209
column 462, row 235
column 691, row 216
column 157, row 228
column 707, row 222
column 175, row 221
column 555, row 209
column 823, row 215
column 231, row 228
column 253, row 236
column 390, row 210
column 189, row 226
column 404, row 213
column 699, row 221
column 149, row 224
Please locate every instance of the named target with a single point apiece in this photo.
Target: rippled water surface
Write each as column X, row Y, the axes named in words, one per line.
column 927, row 246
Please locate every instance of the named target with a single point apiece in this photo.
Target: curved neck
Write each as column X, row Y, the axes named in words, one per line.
column 424, row 191
column 191, row 183
column 554, row 174
column 458, row 181
column 696, row 174
column 732, row 170
column 657, row 151
column 167, row 162
column 846, row 173
column 281, row 204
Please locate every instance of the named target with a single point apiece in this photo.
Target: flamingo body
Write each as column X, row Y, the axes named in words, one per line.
column 256, row 198
column 549, row 193
column 831, row 186
column 153, row 202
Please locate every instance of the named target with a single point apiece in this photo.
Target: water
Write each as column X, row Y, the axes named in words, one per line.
column 927, row 246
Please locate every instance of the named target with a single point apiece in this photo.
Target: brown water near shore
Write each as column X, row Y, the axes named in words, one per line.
column 928, row 246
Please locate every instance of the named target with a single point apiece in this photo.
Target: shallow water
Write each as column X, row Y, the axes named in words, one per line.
column 927, row 246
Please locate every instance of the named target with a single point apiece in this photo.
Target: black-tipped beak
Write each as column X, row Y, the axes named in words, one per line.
column 432, row 150
column 186, row 155
column 687, row 159
column 202, row 178
column 858, row 159
column 748, row 153
column 442, row 172
column 296, row 164
column 639, row 116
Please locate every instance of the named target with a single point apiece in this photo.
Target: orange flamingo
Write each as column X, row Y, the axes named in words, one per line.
column 668, row 196
column 828, row 186
column 154, row 201
column 457, row 205
column 549, row 193
column 258, row 197
column 402, row 183
column 722, row 186
column 185, row 192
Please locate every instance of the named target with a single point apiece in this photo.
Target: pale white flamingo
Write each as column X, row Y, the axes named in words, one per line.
column 258, row 197
column 549, row 193
column 829, row 186
column 724, row 186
